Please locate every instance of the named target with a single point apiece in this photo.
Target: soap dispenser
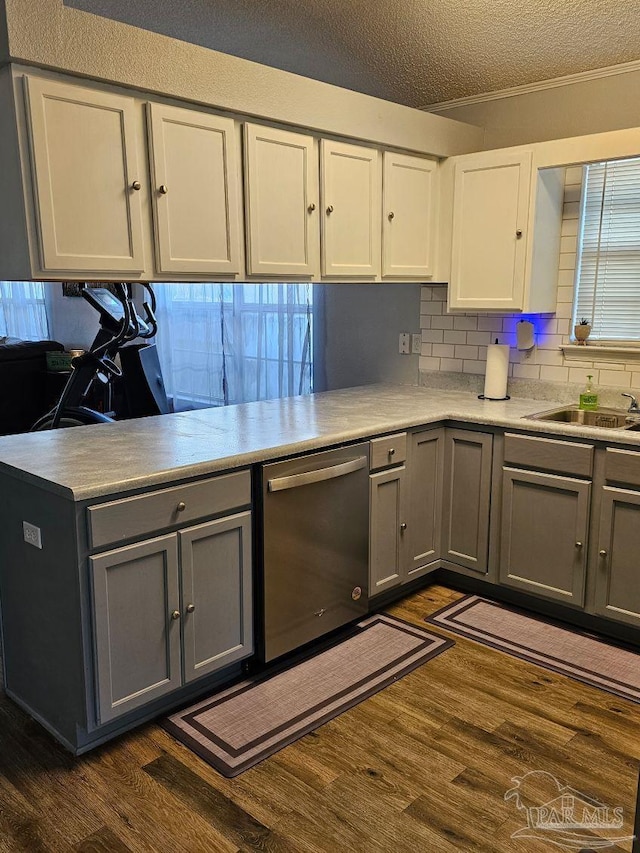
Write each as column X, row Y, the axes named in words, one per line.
column 589, row 398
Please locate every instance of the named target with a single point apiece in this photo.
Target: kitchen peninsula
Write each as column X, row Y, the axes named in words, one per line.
column 98, row 550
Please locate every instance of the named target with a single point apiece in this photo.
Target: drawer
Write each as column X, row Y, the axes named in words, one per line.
column 547, row 454
column 132, row 518
column 622, row 466
column 389, row 450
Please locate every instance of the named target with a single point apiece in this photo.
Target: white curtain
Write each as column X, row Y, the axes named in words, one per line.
column 234, row 343
column 22, row 310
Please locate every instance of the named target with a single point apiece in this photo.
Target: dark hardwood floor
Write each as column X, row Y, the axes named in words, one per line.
column 422, row 766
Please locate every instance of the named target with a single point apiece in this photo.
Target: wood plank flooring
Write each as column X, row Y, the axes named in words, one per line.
column 422, row 766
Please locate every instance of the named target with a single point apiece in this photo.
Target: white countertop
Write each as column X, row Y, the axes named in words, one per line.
column 94, row 461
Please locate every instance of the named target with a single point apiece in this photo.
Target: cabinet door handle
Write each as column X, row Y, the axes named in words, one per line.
column 136, row 185
column 181, row 507
column 175, row 614
column 311, row 207
column 403, row 527
column 602, row 553
column 190, row 608
column 578, row 544
column 391, row 215
column 391, row 451
column 330, row 209
column 519, row 233
column 163, row 189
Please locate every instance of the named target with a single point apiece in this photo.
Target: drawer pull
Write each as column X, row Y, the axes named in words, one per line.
column 403, row 527
column 602, row 553
column 578, row 544
column 181, row 506
column 190, row 608
column 391, row 451
column 175, row 615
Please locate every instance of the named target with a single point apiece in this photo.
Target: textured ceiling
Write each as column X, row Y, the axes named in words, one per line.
column 415, row 52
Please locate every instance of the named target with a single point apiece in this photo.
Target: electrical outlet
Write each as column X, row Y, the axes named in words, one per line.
column 404, row 343
column 32, row 534
column 416, row 343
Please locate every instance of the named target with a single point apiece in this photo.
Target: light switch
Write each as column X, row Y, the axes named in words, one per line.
column 404, row 343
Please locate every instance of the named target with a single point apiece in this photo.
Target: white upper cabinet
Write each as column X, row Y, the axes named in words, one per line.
column 86, row 178
column 503, row 236
column 282, row 202
column 194, row 187
column 490, row 231
column 408, row 216
column 350, row 176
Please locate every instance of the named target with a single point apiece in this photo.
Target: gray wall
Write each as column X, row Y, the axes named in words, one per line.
column 575, row 109
column 357, row 334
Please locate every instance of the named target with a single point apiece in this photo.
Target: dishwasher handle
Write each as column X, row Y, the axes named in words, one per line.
column 278, row 484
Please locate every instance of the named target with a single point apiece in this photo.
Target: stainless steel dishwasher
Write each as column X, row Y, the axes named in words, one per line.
column 315, row 545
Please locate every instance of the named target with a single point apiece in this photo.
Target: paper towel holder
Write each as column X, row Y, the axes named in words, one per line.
column 485, row 396
column 482, row 397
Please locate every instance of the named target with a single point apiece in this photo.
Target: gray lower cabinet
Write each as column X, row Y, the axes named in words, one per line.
column 467, row 498
column 617, row 588
column 405, row 516
column 169, row 610
column 545, row 519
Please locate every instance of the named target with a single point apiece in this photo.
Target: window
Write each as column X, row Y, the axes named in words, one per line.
column 22, row 310
column 608, row 261
column 234, row 343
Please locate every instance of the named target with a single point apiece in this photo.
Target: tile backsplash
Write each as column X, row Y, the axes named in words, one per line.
column 457, row 343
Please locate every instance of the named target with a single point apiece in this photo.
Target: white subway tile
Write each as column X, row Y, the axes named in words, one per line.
column 469, row 324
column 554, row 374
column 550, row 341
column 443, row 350
column 573, row 175
column 569, row 228
column 571, row 209
column 425, row 322
column 567, row 261
column 444, row 322
column 439, row 293
column 463, row 351
column 549, row 356
column 569, row 244
column 432, row 336
column 431, row 308
column 452, row 365
column 425, row 293
column 428, row 363
column 489, row 324
column 453, row 337
column 425, row 349
column 615, row 378
column 566, row 278
column 564, row 310
column 526, row 371
column 635, row 380
column 471, row 366
column 579, row 374
column 479, row 338
column 565, row 292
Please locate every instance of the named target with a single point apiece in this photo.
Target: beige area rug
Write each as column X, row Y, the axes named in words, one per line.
column 538, row 640
column 244, row 724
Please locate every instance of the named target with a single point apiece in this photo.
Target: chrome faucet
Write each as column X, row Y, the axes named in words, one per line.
column 634, row 408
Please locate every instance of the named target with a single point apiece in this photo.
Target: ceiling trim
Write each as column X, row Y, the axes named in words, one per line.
column 539, row 86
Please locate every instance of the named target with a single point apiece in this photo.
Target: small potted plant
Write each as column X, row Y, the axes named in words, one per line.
column 582, row 330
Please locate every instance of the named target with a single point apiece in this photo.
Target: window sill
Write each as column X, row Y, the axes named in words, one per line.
column 596, row 352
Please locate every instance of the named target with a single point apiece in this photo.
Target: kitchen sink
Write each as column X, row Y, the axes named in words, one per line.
column 602, row 417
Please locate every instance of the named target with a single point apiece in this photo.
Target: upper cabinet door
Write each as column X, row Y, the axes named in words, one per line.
column 282, row 202
column 351, row 210
column 87, row 183
column 490, row 231
column 409, row 198
column 195, row 172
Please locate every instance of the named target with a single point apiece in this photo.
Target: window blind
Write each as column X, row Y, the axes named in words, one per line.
column 608, row 260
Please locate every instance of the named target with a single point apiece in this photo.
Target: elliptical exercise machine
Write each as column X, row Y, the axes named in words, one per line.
column 119, row 324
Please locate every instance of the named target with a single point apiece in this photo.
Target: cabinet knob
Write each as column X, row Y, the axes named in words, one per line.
column 403, row 527
column 578, row 544
column 602, row 553
column 181, row 506
column 391, row 451
column 311, row 207
column 136, row 185
column 330, row 209
column 175, row 614
column 163, row 189
column 519, row 233
column 391, row 215
column 190, row 608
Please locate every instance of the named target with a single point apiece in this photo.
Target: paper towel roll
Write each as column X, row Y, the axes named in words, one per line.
column 495, row 380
